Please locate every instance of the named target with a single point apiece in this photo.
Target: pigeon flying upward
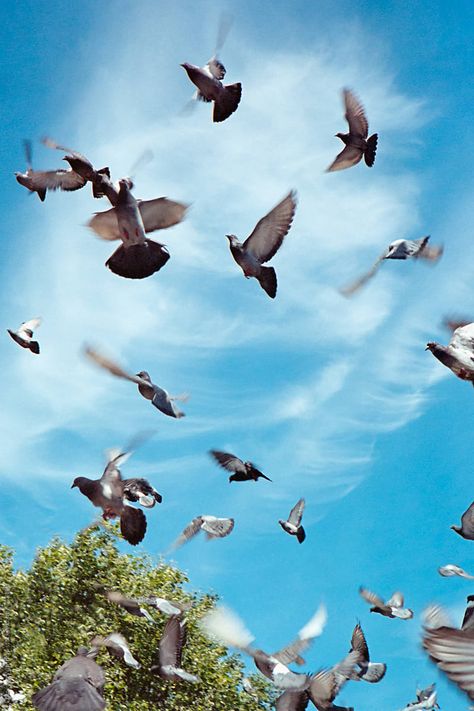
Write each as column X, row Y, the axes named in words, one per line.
column 392, row 608
column 117, row 645
column 40, row 181
column 24, row 335
column 242, row 471
column 466, row 529
column 447, row 571
column 458, row 355
column 159, row 397
column 369, row 671
column 264, row 242
column 214, row 528
column 399, row 249
column 356, row 142
column 170, row 652
column 293, row 524
column 77, row 684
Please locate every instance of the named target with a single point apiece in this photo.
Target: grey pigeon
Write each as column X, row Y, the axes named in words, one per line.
column 24, row 335
column 466, row 529
column 372, row 672
column 139, row 489
column 356, row 142
column 170, row 652
column 117, row 645
column 399, row 249
column 450, row 570
column 392, row 608
column 293, row 524
column 76, row 686
column 426, row 700
column 130, row 220
column 458, row 355
column 242, row 471
column 131, row 605
column 264, row 242
column 159, row 397
column 213, row 526
column 107, row 494
column 40, row 181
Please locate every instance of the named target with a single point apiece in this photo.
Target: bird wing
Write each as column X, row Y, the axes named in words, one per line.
column 467, row 520
column 359, row 643
column 189, row 532
column 228, row 461
column 452, row 323
column 160, row 213
column 270, row 231
column 396, row 600
column 292, row 701
column 112, row 367
column 292, row 652
column 118, row 646
column 349, row 156
column 296, row 513
column 371, row 597
column 463, row 337
column 163, row 402
column 105, row 224
column 216, row 68
column 30, row 325
column 361, row 281
column 55, row 180
column 344, row 670
column 219, row 528
column 50, row 143
column 434, row 617
column 172, row 642
column 355, row 115
column 223, row 624
column 453, row 652
column 322, row 688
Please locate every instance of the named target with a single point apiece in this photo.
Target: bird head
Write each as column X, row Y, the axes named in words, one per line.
column 431, row 347
column 455, row 528
column 470, row 598
column 79, row 482
column 232, row 240
column 144, row 375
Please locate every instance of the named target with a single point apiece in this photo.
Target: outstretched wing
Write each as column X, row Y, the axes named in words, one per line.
column 453, row 652
column 270, row 231
column 218, row 528
column 112, row 367
column 296, row 513
column 172, row 642
column 355, row 115
column 30, row 325
column 371, row 597
column 359, row 643
column 191, row 530
column 228, row 461
column 396, row 600
column 160, row 213
column 361, row 281
column 349, row 156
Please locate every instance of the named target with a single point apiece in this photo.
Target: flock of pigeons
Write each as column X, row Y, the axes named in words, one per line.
column 78, row 684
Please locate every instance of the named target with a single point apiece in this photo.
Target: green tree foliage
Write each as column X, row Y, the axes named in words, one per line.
column 59, row 604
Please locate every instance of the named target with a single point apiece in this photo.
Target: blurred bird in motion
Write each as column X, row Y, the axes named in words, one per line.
column 357, row 145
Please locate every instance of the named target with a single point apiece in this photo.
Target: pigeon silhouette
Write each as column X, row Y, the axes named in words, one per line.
column 356, row 142
column 24, row 335
column 392, row 608
column 40, row 181
column 213, row 527
column 293, row 524
column 242, row 471
column 458, row 355
column 466, row 529
column 450, row 570
column 264, row 242
column 170, row 652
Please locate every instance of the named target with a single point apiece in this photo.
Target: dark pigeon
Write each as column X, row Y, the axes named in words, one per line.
column 170, row 652
column 242, row 471
column 264, row 242
column 24, row 335
column 142, row 491
column 392, row 608
column 40, row 181
column 357, row 145
column 293, row 524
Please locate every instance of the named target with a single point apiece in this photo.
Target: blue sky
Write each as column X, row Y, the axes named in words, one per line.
column 335, row 400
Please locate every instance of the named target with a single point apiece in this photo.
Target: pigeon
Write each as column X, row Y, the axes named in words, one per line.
column 425, row 699
column 117, row 645
column 142, row 491
column 458, row 355
column 466, row 529
column 77, row 685
column 399, row 249
column 130, row 220
column 449, row 570
column 214, row 528
column 293, row 524
column 170, row 651
column 24, row 335
column 107, row 494
column 264, row 242
column 159, row 397
column 356, row 142
column 450, row 648
column 40, row 181
column 129, row 604
column 242, row 471
column 392, row 608
column 372, row 672
column 168, row 607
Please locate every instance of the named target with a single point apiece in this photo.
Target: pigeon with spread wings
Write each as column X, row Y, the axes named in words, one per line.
column 170, row 652
column 241, row 471
column 458, row 355
column 293, row 524
column 213, row 527
column 264, row 242
column 40, row 181
column 466, row 529
column 24, row 335
column 117, row 645
column 450, row 570
column 357, row 145
column 369, row 671
column 392, row 608
column 159, row 397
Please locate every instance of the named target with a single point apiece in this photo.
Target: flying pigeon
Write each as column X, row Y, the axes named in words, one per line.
column 129, row 604
column 447, row 571
column 392, row 608
column 264, row 242
column 458, row 355
column 168, row 607
column 130, row 220
column 24, row 335
column 142, row 491
column 450, row 648
column 293, row 524
column 369, row 671
column 107, row 494
column 399, row 249
column 242, row 471
column 356, row 142
column 118, row 646
column 426, row 699
column 77, row 684
column 160, row 398
column 214, row 528
column 466, row 529
column 170, row 651
column 39, row 181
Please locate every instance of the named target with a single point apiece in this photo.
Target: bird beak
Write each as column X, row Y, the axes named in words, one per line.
column 73, row 485
column 228, row 237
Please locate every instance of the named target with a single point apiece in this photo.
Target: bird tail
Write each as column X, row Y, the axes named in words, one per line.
column 68, row 695
column 374, row 673
column 370, row 151
column 34, row 347
column 139, row 260
column 300, row 534
column 132, row 525
column 227, row 102
column 268, row 281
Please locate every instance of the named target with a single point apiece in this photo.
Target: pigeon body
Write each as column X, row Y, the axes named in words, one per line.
column 372, row 672
column 170, row 652
column 207, row 79
column 357, row 143
column 264, row 242
column 76, row 686
column 450, row 570
column 24, row 335
column 293, row 524
column 392, row 608
column 213, row 527
column 241, row 471
column 458, row 355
